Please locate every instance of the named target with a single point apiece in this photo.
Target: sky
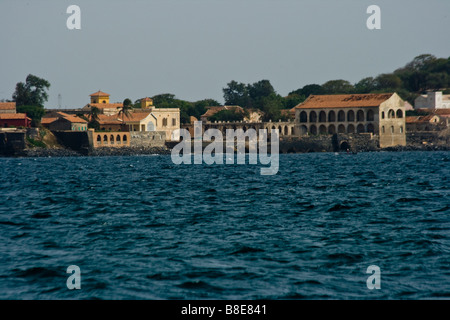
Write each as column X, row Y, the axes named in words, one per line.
column 193, row 48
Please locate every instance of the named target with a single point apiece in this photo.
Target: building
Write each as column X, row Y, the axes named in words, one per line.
column 430, row 122
column 210, row 111
column 382, row 115
column 60, row 121
column 8, row 120
column 7, row 107
column 100, row 100
column 432, row 100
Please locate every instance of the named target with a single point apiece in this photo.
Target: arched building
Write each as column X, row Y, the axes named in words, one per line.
column 382, row 115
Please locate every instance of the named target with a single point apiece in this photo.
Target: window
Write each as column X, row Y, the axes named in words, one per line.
column 382, row 129
column 164, row 122
column 370, row 115
column 303, row 116
column 382, row 115
column 401, row 129
column 174, row 122
column 350, row 116
column 392, row 129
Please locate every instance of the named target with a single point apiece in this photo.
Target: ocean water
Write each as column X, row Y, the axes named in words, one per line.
column 143, row 228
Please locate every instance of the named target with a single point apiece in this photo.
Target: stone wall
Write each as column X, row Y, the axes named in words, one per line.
column 12, row 142
column 147, row 138
column 330, row 143
column 78, row 141
column 430, row 138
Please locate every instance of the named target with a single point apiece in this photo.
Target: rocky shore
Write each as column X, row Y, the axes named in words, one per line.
column 98, row 152
column 425, row 147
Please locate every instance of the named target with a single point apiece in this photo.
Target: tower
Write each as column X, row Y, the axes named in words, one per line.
column 99, row 97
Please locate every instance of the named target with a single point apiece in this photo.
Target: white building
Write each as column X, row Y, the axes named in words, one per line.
column 432, row 100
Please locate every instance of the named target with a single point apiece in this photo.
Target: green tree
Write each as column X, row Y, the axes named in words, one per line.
column 32, row 92
column 125, row 110
column 93, row 118
column 30, row 97
column 292, row 100
column 365, row 85
column 271, row 106
column 227, row 115
column 236, row 94
column 34, row 112
column 309, row 89
column 338, row 87
column 388, row 81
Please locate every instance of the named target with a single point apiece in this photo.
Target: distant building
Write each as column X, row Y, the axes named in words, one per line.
column 7, row 107
column 210, row 111
column 100, row 100
column 8, row 120
column 432, row 100
column 146, row 103
column 382, row 115
column 430, row 122
column 60, row 121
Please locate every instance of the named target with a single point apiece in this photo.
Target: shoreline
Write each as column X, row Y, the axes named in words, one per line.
column 133, row 151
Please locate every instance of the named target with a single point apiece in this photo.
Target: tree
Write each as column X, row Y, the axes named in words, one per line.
column 227, row 115
column 236, row 94
column 93, row 118
column 125, row 110
column 337, row 87
column 292, row 100
column 365, row 85
column 32, row 92
column 34, row 112
column 309, row 89
column 271, row 106
column 388, row 81
column 30, row 97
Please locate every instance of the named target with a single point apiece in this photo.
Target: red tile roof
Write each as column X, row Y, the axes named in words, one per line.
column 104, row 119
column 58, row 115
column 442, row 112
column 106, row 105
column 48, row 120
column 213, row 110
column 419, row 119
column 344, row 101
column 13, row 116
column 7, row 106
column 136, row 116
column 99, row 94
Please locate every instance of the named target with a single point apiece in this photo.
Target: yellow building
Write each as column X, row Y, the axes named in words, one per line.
column 146, row 103
column 99, row 97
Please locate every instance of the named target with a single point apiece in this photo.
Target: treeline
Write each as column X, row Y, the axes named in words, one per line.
column 424, row 73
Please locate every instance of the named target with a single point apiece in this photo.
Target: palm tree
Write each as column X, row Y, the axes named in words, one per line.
column 125, row 110
column 93, row 116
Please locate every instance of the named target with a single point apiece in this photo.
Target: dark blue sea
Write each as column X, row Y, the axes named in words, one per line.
column 141, row 227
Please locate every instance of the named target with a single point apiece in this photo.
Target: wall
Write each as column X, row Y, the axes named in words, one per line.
column 75, row 140
column 336, row 120
column 109, row 139
column 148, row 139
column 330, row 143
column 164, row 121
column 392, row 125
column 12, row 141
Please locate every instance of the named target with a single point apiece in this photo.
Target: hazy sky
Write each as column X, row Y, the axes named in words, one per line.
column 193, row 48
